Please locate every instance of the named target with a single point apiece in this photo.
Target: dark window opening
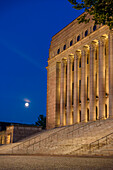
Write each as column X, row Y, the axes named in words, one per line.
column 96, row 113
column 79, row 91
column 86, row 33
column 87, row 58
column 79, row 115
column 105, row 80
column 71, row 42
column 64, row 47
column 73, row 66
column 96, row 83
column 87, row 88
column 105, row 110
column 105, row 51
column 80, row 63
column 58, row 51
column 65, row 118
column 96, row 54
column 66, row 69
column 72, row 118
column 72, row 93
column 94, row 27
column 78, row 38
column 87, row 114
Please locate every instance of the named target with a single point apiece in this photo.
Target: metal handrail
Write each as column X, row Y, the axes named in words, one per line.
column 56, row 133
column 91, row 145
column 27, row 141
column 104, row 137
column 100, row 118
column 65, row 127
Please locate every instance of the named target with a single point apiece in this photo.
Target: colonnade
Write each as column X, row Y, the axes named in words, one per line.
column 85, row 83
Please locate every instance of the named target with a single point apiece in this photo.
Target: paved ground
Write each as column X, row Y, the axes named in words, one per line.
column 54, row 163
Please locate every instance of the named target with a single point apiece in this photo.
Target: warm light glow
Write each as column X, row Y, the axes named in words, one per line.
column 26, row 104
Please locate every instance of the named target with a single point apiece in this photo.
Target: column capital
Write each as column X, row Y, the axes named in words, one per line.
column 64, row 60
column 83, row 52
column 70, row 58
column 102, row 39
column 77, row 54
column 86, row 48
column 93, row 45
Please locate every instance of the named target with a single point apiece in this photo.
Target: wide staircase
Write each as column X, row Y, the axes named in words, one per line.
column 91, row 138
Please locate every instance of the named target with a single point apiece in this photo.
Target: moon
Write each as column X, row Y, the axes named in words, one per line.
column 26, row 104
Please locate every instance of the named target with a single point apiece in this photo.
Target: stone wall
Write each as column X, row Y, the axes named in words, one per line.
column 15, row 133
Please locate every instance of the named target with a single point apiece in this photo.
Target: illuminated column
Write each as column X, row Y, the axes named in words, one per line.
column 63, row 93
column 101, row 78
column 110, row 39
column 92, row 83
column 58, row 77
column 76, row 89
column 83, row 86
column 69, row 90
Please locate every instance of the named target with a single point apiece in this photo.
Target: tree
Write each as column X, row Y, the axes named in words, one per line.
column 101, row 11
column 41, row 121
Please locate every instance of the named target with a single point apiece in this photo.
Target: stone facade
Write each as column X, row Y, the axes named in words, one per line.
column 15, row 133
column 80, row 75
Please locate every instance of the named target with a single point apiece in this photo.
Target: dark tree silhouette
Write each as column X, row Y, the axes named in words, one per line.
column 41, row 121
column 101, row 11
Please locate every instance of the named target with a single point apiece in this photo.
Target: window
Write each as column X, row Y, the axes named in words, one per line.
column 78, row 38
column 72, row 117
column 79, row 91
column 86, row 33
column 79, row 115
column 72, row 93
column 96, row 83
column 64, row 47
column 105, row 50
column 96, row 113
column 87, row 88
column 58, row 51
column 71, row 42
column 105, row 110
column 96, row 54
column 80, row 63
column 94, row 27
column 87, row 115
column 105, row 80
column 87, row 58
column 73, row 66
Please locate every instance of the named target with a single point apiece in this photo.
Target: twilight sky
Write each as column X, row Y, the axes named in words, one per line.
column 26, row 29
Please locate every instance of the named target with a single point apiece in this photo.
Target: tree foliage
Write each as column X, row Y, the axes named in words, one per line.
column 101, row 11
column 41, row 121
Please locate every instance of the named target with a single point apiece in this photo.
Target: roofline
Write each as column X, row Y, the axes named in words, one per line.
column 67, row 25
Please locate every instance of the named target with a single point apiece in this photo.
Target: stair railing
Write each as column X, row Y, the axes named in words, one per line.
column 22, row 145
column 57, row 136
column 83, row 128
column 97, row 144
column 52, row 137
column 101, row 142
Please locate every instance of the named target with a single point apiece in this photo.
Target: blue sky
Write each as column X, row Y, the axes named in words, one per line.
column 26, row 29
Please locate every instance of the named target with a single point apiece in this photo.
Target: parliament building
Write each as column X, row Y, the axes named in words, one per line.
column 80, row 75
